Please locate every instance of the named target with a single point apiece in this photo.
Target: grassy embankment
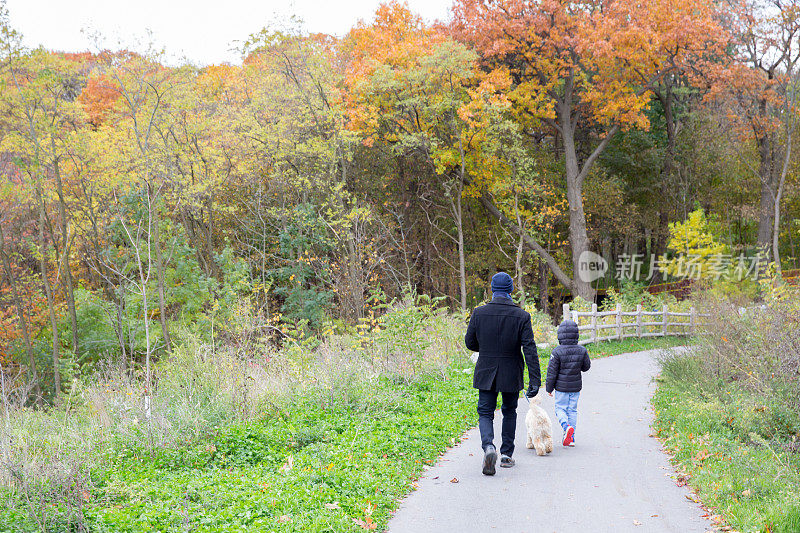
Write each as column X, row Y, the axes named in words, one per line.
column 728, row 413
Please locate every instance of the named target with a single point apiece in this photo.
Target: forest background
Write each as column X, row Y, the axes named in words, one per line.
column 142, row 202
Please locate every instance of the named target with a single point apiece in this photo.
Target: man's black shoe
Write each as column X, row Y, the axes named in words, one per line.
column 506, row 461
column 489, row 460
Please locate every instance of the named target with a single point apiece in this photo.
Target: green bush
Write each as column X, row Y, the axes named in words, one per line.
column 543, row 330
column 303, row 282
column 631, row 294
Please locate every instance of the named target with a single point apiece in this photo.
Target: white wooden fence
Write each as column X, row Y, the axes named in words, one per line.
column 638, row 324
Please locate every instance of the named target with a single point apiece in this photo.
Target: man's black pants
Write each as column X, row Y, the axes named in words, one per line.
column 487, row 403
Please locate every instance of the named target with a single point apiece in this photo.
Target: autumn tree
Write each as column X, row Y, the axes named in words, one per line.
column 409, row 87
column 583, row 69
column 144, row 87
column 759, row 86
column 299, row 170
column 44, row 87
column 14, row 279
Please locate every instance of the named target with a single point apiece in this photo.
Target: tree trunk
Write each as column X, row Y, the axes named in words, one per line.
column 776, row 231
column 667, row 99
column 143, row 280
column 457, row 211
column 766, row 208
column 191, row 232
column 156, row 237
column 66, row 271
column 769, row 185
column 544, row 288
column 214, row 269
column 354, row 273
column 518, row 258
column 462, row 263
column 23, row 322
column 519, row 272
column 48, row 293
column 355, row 285
column 578, row 237
column 576, row 173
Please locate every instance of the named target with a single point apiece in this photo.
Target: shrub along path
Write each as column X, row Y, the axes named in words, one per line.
column 616, row 479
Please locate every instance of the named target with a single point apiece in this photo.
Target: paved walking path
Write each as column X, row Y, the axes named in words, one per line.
column 614, row 480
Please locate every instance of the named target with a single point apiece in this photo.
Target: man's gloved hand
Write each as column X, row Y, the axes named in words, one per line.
column 532, row 391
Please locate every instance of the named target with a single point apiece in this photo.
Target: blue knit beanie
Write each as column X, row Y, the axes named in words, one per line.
column 502, row 285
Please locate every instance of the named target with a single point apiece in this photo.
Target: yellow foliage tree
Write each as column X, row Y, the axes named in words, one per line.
column 695, row 252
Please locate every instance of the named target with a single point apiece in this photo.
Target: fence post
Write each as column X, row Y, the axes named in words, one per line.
column 692, row 314
column 619, row 321
column 665, row 321
column 575, row 317
column 565, row 312
column 639, row 321
column 594, row 322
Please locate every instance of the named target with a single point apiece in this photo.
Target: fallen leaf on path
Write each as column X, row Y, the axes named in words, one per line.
column 454, row 480
column 637, row 523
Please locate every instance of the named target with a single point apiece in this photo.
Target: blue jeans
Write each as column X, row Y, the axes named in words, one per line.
column 487, row 403
column 567, row 408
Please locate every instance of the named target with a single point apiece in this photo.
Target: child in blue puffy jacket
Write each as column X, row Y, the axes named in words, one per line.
column 567, row 362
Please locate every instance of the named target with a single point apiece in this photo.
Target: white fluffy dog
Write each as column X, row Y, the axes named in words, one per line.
column 540, row 429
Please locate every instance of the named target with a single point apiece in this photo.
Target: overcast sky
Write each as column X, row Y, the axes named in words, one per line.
column 204, row 31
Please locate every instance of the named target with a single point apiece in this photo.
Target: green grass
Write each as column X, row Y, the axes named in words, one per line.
column 328, row 468
column 736, row 451
column 319, row 469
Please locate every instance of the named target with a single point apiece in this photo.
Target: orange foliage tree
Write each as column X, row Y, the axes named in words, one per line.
column 583, row 69
column 757, row 85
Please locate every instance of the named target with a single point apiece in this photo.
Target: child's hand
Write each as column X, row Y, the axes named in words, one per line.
column 550, row 393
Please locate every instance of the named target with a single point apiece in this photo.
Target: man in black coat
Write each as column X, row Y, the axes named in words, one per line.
column 497, row 331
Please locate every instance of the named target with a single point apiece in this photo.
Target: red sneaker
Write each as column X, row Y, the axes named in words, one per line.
column 568, row 436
